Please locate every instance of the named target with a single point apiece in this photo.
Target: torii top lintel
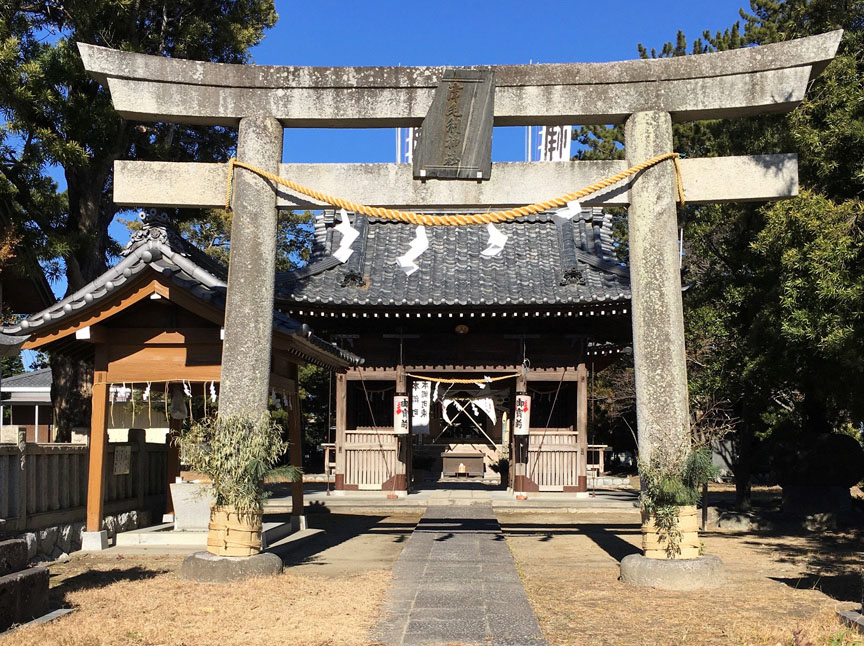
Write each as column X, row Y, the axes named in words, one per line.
column 740, row 82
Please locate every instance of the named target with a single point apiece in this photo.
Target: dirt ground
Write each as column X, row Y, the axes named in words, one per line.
column 780, row 589
column 328, row 595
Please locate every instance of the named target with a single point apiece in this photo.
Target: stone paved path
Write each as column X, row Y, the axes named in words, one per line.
column 455, row 582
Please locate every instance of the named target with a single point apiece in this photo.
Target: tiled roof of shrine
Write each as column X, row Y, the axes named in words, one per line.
column 546, row 260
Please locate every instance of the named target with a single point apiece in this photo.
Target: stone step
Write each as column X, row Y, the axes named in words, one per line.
column 44, row 619
column 13, row 556
column 23, row 596
column 164, row 535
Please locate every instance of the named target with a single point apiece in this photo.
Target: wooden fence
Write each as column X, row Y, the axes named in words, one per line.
column 46, row 484
column 370, row 457
column 553, row 457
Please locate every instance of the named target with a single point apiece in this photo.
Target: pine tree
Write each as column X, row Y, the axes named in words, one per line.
column 773, row 317
column 58, row 117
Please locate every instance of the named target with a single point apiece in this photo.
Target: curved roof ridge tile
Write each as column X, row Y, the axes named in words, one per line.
column 155, row 248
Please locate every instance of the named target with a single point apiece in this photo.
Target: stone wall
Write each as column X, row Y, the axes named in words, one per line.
column 56, row 542
column 605, row 482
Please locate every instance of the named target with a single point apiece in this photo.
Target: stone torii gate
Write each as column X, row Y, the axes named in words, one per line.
column 647, row 95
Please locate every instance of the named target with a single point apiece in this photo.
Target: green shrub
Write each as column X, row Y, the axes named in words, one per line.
column 235, row 453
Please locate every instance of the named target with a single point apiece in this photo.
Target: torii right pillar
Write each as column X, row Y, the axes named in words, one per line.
column 655, row 282
column 663, row 424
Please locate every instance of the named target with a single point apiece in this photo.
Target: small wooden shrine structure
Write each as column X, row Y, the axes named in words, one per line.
column 156, row 318
column 535, row 320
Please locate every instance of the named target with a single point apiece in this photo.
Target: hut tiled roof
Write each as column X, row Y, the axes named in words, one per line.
column 10, row 345
column 156, row 246
column 546, row 260
column 26, row 380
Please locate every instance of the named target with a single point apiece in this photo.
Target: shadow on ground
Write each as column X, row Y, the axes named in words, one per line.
column 451, row 525
column 101, row 578
column 832, row 560
column 607, row 536
column 842, row 587
column 91, row 579
column 340, row 528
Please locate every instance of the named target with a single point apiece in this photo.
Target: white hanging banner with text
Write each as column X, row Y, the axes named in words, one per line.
column 400, row 414
column 555, row 143
column 410, row 143
column 421, row 396
column 522, row 416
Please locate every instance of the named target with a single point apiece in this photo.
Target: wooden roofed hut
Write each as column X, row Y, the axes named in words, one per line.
column 463, row 337
column 156, row 318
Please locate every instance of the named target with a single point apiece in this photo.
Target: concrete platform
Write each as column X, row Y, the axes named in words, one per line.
column 278, row 538
column 853, row 619
column 317, row 499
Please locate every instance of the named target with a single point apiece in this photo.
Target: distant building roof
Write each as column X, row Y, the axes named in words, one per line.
column 35, row 381
column 546, row 260
column 156, row 246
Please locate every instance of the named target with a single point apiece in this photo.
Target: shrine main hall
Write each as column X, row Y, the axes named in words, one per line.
column 462, row 338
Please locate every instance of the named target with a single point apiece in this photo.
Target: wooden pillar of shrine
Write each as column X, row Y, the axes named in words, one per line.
column 341, row 422
column 519, row 458
column 95, row 538
column 402, row 468
column 98, row 446
column 582, row 427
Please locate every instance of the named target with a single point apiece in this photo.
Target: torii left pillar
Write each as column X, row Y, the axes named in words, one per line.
column 248, row 341
column 247, row 348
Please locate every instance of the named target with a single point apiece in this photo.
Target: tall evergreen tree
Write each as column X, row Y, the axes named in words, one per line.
column 56, row 116
column 773, row 318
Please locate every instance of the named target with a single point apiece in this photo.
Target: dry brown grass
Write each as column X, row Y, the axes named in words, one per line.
column 144, row 602
column 609, row 612
column 781, row 589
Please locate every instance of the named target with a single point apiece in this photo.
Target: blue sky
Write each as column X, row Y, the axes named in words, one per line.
column 506, row 32
column 447, row 32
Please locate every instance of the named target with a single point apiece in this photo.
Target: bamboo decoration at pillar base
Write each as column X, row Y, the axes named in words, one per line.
column 235, row 453
column 655, row 544
column 671, row 485
column 232, row 533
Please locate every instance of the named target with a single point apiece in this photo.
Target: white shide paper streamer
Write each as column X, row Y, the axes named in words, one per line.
column 568, row 212
column 419, row 244
column 496, row 243
column 349, row 235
